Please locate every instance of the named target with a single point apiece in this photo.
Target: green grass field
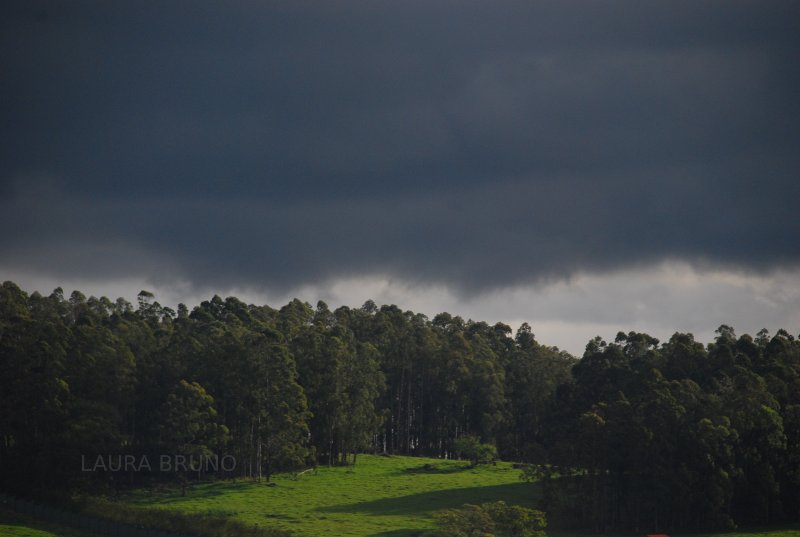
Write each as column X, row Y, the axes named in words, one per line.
column 381, row 496
column 387, row 496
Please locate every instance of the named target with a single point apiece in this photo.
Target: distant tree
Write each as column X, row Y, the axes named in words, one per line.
column 362, row 383
column 471, row 448
column 190, row 428
column 34, row 394
column 342, row 379
column 281, row 407
column 533, row 374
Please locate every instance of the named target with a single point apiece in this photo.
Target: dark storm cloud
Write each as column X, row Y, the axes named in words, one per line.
column 282, row 143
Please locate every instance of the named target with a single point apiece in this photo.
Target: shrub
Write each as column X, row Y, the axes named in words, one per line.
column 471, row 448
column 491, row 520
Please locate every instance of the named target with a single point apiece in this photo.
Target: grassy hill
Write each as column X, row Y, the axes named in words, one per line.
column 388, row 496
column 380, row 497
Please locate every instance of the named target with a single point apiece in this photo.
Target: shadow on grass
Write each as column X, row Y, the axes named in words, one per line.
column 409, row 532
column 525, row 494
column 434, row 469
column 202, row 491
column 17, row 524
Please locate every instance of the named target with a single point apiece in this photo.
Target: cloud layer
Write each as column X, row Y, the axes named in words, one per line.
column 476, row 147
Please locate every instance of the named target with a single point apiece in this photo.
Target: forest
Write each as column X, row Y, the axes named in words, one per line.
column 635, row 433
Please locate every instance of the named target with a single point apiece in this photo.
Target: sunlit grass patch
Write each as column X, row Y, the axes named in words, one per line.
column 379, row 496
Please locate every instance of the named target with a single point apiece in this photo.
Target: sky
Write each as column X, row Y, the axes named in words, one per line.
column 587, row 167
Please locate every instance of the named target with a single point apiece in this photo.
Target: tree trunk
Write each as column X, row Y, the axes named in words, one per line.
column 258, row 450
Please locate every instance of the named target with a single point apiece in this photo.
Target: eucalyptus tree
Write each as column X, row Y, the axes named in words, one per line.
column 191, row 433
column 342, row 379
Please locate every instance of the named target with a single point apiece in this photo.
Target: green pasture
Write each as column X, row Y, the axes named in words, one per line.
column 380, row 496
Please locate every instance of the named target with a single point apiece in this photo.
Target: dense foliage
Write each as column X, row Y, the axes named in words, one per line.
column 491, row 520
column 641, row 434
column 677, row 435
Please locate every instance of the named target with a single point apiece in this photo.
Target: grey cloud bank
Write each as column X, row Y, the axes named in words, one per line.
column 279, row 145
column 659, row 299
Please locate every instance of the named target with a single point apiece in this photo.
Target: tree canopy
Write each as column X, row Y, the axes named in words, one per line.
column 635, row 434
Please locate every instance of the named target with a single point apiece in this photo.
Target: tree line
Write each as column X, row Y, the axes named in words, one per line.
column 677, row 435
column 634, row 434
